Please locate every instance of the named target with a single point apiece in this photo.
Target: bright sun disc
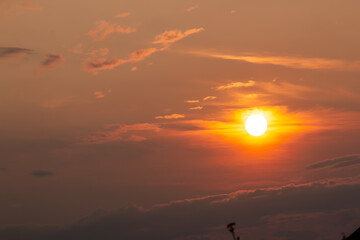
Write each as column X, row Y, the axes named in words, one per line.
column 256, row 125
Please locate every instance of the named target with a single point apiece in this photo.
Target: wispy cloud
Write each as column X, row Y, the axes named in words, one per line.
column 52, row 60
column 196, row 108
column 192, row 101
column 250, row 83
column 13, row 52
column 119, row 132
column 93, row 53
column 122, row 15
column 337, row 162
column 166, row 38
column 172, row 116
column 97, row 64
column 10, row 7
column 209, row 98
column 192, row 8
column 172, row 36
column 99, row 94
column 104, row 28
column 288, row 61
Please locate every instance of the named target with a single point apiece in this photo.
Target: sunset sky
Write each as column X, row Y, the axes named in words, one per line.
column 126, row 119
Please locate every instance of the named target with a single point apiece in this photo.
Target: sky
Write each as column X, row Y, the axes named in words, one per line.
column 126, row 119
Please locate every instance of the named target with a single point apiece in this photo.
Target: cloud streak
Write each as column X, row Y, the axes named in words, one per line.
column 166, row 38
column 118, row 132
column 94, row 65
column 250, row 83
column 52, row 60
column 337, row 162
column 13, row 52
column 171, row 116
column 104, row 28
column 288, row 61
column 172, row 36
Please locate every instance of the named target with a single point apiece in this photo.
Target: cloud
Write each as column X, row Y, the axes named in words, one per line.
column 93, row 65
column 13, row 52
column 190, row 9
column 10, row 7
column 209, row 98
column 118, row 132
column 337, row 162
column 104, row 28
column 99, row 94
column 192, row 101
column 250, row 83
column 289, row 61
column 103, row 63
column 172, row 116
column 141, row 54
column 122, row 15
column 172, row 36
column 94, row 53
column 289, row 212
column 41, row 173
column 52, row 60
column 196, row 108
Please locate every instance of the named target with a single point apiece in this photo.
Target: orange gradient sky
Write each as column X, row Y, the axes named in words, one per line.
column 109, row 105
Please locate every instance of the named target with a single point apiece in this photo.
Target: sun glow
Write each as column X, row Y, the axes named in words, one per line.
column 256, row 125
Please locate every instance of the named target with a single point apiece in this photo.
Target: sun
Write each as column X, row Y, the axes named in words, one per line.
column 256, row 125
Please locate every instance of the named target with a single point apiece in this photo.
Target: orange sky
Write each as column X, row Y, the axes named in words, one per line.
column 110, row 104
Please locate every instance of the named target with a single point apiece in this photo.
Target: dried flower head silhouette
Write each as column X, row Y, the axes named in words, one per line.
column 231, row 229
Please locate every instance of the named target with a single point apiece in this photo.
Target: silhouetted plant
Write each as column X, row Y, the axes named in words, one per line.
column 231, row 229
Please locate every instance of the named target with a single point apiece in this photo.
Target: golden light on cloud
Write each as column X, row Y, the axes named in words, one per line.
column 256, row 125
column 259, row 130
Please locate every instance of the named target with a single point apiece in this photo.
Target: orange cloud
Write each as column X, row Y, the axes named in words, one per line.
column 172, row 36
column 13, row 52
column 94, row 53
column 103, row 63
column 236, row 85
column 290, row 62
column 172, row 116
column 141, row 54
column 99, row 94
column 196, row 108
column 93, row 65
column 192, row 101
column 190, row 9
column 118, row 132
column 104, row 28
column 52, row 60
column 122, row 15
column 209, row 98
column 12, row 6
